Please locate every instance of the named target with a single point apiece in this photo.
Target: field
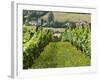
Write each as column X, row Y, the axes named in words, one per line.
column 61, row 17
column 51, row 46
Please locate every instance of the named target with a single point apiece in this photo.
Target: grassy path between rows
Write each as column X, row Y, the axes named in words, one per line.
column 61, row 54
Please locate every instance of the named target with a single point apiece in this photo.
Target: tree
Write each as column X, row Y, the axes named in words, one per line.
column 31, row 15
column 50, row 18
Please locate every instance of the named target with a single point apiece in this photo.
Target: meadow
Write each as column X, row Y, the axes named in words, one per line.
column 72, row 17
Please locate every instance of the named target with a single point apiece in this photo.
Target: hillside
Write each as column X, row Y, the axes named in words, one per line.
column 73, row 17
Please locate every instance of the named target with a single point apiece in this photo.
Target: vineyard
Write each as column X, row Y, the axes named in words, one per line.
column 42, row 49
column 34, row 42
column 79, row 37
column 53, row 39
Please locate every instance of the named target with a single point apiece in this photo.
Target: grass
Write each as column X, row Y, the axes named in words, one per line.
column 61, row 54
column 73, row 17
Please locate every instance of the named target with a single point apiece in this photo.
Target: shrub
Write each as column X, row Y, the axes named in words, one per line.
column 79, row 37
column 34, row 46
